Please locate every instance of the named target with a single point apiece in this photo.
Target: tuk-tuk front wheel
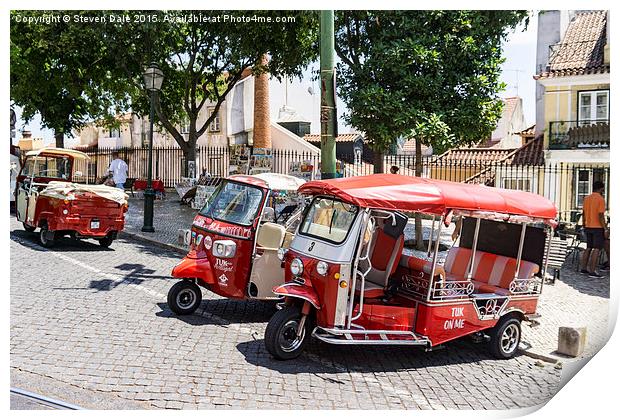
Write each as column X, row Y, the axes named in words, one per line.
column 47, row 238
column 505, row 338
column 184, row 297
column 281, row 335
column 29, row 228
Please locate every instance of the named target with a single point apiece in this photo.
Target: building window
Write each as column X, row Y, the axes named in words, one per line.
column 518, row 184
column 593, row 107
column 584, row 180
column 358, row 157
column 214, row 127
column 114, row 132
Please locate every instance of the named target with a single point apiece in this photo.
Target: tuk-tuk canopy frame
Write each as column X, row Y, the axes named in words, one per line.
column 56, row 151
column 424, row 195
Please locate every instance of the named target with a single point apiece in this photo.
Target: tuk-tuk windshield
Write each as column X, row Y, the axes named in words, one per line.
column 328, row 219
column 47, row 167
column 234, row 203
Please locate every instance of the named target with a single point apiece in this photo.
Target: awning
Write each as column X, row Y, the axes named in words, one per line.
column 406, row 193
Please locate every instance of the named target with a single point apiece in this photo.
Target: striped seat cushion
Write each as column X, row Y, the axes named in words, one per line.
column 492, row 272
column 418, row 264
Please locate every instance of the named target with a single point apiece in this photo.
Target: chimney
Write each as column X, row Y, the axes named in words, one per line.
column 262, row 130
column 606, row 48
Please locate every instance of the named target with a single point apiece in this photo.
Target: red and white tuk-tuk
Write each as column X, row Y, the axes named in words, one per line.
column 49, row 199
column 235, row 240
column 349, row 282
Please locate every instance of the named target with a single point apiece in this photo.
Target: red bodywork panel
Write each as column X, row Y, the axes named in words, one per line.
column 198, row 268
column 85, row 208
column 300, row 291
column 379, row 316
column 325, row 287
column 447, row 322
column 227, row 277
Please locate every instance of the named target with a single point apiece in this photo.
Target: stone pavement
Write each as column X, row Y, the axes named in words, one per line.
column 97, row 320
column 575, row 301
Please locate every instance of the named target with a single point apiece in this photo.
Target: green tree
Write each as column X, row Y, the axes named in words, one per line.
column 203, row 60
column 433, row 75
column 59, row 70
column 429, row 74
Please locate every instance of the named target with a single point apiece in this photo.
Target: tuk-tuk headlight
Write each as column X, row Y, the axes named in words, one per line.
column 297, row 267
column 224, row 249
column 281, row 252
column 322, row 267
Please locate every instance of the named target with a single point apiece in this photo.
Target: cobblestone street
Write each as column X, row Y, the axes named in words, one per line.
column 97, row 320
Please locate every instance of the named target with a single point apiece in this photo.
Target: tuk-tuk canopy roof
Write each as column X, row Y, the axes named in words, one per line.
column 57, row 151
column 406, row 193
column 270, row 180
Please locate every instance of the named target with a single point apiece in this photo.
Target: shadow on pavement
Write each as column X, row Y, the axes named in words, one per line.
column 584, row 284
column 152, row 249
column 223, row 312
column 321, row 357
column 63, row 244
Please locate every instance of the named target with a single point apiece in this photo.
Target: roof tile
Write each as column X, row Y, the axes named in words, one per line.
column 582, row 48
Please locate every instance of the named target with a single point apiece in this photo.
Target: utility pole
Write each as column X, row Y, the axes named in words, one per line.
column 329, row 126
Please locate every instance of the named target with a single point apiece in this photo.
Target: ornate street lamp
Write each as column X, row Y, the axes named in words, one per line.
column 153, row 78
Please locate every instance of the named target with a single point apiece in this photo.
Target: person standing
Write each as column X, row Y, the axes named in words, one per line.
column 595, row 228
column 394, row 169
column 118, row 168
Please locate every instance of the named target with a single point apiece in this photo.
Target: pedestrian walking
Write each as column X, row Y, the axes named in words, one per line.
column 118, row 169
column 596, row 230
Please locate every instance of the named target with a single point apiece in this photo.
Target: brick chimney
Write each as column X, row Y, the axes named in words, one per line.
column 262, row 130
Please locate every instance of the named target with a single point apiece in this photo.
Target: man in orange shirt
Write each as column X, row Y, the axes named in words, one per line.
column 595, row 227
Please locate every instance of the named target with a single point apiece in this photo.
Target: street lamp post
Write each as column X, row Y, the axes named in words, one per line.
column 153, row 78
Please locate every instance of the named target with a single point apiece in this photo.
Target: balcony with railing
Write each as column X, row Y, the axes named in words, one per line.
column 583, row 134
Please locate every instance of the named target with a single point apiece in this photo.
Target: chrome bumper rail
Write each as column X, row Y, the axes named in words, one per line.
column 342, row 336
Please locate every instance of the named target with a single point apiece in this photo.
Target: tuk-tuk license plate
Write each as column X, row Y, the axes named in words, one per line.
column 94, row 224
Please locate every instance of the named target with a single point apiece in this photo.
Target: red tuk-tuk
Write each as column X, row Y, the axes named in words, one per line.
column 47, row 198
column 235, row 240
column 349, row 282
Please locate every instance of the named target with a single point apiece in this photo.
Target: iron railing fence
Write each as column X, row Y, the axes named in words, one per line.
column 582, row 134
column 566, row 184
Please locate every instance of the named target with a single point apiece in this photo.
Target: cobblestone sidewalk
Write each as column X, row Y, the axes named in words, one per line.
column 574, row 301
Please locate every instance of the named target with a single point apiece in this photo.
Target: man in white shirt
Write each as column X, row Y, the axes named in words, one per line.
column 118, row 169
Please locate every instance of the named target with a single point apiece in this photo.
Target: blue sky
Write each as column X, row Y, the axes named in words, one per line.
column 520, row 65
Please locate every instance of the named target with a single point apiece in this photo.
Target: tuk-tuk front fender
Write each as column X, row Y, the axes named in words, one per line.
column 300, row 291
column 198, row 268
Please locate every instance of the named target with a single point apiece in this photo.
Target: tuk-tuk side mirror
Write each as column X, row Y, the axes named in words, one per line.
column 269, row 215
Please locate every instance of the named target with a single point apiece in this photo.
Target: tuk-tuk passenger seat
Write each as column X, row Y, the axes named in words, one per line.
column 270, row 236
column 386, row 249
column 492, row 273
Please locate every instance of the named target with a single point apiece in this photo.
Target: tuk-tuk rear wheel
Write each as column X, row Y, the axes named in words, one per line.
column 184, row 297
column 281, row 338
column 44, row 239
column 505, row 338
column 29, row 228
column 106, row 241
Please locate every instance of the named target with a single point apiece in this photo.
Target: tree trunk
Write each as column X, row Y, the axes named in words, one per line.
column 60, row 138
column 189, row 153
column 377, row 160
column 419, row 237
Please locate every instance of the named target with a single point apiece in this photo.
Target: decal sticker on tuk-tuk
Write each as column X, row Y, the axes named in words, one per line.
column 223, row 265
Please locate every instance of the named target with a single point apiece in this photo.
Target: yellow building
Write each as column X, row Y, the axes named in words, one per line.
column 573, row 91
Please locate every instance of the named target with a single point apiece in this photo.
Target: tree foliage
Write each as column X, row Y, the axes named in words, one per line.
column 59, row 70
column 429, row 74
column 202, row 61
